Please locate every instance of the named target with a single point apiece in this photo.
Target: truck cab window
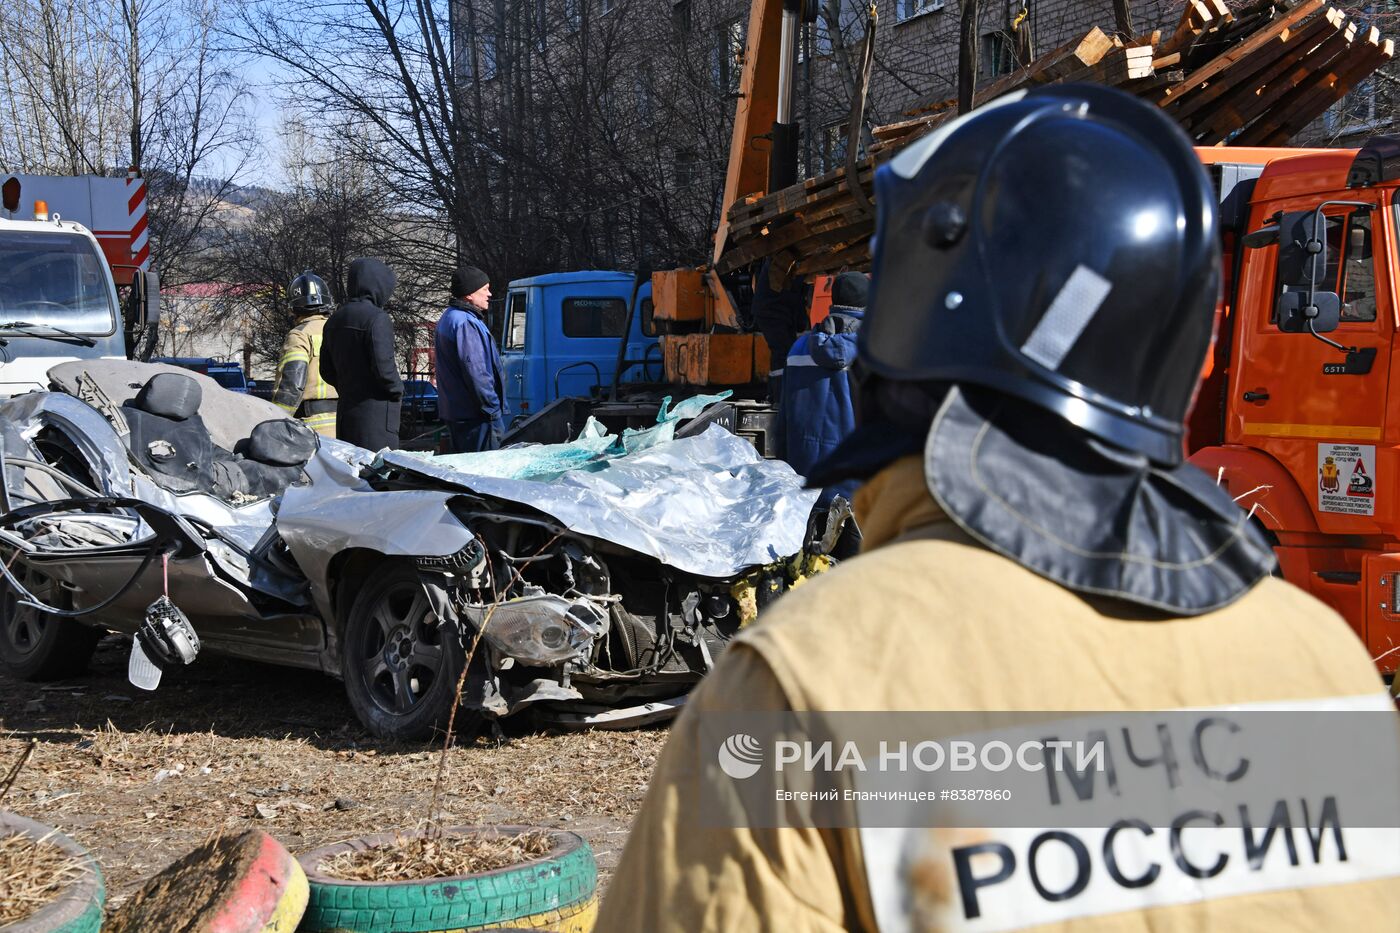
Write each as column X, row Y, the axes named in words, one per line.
column 1350, row 269
column 515, row 322
column 594, row 317
column 648, row 318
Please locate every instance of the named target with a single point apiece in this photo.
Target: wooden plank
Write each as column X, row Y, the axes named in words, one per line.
column 1221, row 11
column 1113, row 69
column 1251, row 69
column 1312, row 108
column 1149, row 88
column 857, row 254
column 1196, row 18
column 1363, row 54
column 806, row 200
column 1235, row 112
column 1261, row 38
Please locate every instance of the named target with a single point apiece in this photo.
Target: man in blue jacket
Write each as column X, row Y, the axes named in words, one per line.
column 471, row 391
column 817, row 411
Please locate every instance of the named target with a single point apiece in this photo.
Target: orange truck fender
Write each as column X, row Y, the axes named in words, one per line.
column 1260, row 484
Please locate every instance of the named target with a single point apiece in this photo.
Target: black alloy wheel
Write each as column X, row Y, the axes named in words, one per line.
column 36, row 645
column 400, row 665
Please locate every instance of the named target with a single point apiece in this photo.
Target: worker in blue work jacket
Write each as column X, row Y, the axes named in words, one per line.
column 471, row 392
column 817, row 411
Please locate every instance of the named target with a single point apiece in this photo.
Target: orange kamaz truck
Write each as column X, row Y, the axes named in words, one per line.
column 1295, row 415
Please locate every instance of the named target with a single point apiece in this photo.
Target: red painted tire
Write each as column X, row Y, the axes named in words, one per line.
column 243, row 884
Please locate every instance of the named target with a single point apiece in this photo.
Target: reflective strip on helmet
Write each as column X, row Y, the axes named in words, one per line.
column 1071, row 311
column 908, row 162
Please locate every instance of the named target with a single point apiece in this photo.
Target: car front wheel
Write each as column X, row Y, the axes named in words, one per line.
column 400, row 666
column 36, row 645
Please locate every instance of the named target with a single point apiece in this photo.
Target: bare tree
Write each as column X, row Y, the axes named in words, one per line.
column 549, row 136
column 332, row 210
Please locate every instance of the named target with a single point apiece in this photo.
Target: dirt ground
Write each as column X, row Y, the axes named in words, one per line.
column 142, row 778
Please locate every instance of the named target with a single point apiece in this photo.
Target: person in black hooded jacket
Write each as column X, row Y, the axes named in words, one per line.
column 357, row 357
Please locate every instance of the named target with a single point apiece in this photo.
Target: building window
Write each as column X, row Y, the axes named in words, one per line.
column 488, row 55
column 685, row 168
column 833, row 148
column 820, row 37
column 908, row 9
column 573, row 13
column 1357, row 111
column 728, row 58
column 645, row 92
column 998, row 57
column 541, row 25
column 680, row 16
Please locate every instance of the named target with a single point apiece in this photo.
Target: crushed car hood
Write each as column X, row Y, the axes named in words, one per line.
column 708, row 505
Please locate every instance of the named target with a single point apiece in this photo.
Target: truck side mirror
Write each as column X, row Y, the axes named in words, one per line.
column 1258, row 239
column 1302, row 249
column 1302, row 307
column 143, row 301
column 1295, row 312
column 141, row 316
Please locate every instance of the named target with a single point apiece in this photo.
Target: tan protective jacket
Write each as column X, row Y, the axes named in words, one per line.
column 929, row 620
column 300, row 390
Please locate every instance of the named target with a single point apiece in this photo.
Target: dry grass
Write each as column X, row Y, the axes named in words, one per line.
column 141, row 779
column 415, row 858
column 32, row 875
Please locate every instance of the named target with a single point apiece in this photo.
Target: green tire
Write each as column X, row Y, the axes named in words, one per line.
column 565, row 878
column 79, row 908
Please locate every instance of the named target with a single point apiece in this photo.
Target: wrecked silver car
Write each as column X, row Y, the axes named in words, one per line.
column 592, row 582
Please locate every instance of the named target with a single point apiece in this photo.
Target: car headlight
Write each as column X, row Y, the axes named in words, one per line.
column 541, row 631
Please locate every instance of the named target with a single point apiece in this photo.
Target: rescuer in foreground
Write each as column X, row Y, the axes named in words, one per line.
column 300, row 390
column 1044, row 286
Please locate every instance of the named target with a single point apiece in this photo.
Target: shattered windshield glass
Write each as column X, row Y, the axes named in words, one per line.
column 54, row 280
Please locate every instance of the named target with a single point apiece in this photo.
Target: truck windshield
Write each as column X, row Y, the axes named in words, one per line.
column 54, row 279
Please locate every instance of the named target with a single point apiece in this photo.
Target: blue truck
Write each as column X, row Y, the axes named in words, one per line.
column 560, row 338
column 576, row 345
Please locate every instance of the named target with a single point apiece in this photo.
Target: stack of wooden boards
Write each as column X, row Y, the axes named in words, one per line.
column 1253, row 77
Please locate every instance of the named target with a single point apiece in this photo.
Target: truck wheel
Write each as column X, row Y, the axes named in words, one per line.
column 400, row 667
column 35, row 645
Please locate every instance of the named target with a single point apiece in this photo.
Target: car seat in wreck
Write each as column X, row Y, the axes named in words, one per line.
column 169, row 441
column 272, row 457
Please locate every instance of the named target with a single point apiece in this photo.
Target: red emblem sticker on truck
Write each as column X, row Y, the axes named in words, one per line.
column 1346, row 478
